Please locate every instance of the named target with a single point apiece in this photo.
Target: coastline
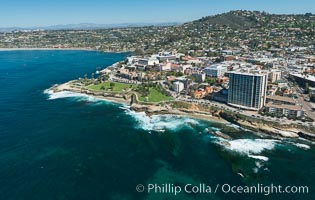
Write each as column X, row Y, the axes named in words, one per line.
column 275, row 130
column 110, row 99
column 59, row 49
column 40, row 49
column 148, row 109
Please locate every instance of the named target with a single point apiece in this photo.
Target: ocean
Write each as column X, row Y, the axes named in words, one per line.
column 69, row 146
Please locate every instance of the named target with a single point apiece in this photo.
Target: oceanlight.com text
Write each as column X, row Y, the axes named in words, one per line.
column 224, row 188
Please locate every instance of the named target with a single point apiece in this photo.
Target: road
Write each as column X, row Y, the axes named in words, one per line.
column 305, row 105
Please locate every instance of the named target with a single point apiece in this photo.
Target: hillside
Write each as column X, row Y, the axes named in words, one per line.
column 252, row 30
column 233, row 19
column 241, row 19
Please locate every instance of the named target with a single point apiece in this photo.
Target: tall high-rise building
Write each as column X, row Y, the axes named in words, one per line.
column 247, row 90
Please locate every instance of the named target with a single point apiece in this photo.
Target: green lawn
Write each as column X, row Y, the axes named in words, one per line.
column 156, row 96
column 119, row 87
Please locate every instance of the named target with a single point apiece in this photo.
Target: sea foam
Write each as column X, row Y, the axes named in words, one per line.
column 263, row 158
column 77, row 96
column 302, row 146
column 251, row 146
column 160, row 122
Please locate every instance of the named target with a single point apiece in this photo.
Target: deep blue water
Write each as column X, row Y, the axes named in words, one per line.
column 67, row 146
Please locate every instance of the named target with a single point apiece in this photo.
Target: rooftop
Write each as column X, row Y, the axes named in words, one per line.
column 216, row 67
column 281, row 98
column 308, row 77
column 261, row 73
column 284, row 106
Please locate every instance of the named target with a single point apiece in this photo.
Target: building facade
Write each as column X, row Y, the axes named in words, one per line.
column 215, row 70
column 275, row 76
column 290, row 111
column 148, row 61
column 247, row 90
column 178, row 86
column 199, row 76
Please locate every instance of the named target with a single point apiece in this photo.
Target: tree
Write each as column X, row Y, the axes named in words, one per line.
column 279, row 92
column 211, row 81
column 179, row 74
column 138, row 52
column 112, row 85
column 99, row 79
column 106, row 77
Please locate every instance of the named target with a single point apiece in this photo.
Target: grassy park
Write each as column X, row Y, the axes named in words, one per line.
column 155, row 96
column 115, row 87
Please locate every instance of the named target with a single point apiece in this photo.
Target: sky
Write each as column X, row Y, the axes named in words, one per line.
column 31, row 13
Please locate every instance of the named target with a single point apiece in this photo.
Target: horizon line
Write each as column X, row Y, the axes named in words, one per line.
column 141, row 23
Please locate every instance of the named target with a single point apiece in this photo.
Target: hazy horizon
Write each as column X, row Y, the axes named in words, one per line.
column 37, row 13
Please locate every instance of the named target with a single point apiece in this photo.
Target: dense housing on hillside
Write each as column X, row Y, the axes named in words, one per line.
column 239, row 58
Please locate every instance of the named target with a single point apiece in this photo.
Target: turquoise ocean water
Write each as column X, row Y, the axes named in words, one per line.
column 69, row 146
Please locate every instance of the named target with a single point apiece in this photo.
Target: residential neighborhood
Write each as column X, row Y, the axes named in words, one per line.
column 239, row 84
column 261, row 64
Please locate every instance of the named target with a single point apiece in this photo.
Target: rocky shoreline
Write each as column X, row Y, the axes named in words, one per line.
column 194, row 111
column 271, row 128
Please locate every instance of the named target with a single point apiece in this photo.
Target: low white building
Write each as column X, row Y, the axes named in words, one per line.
column 165, row 56
column 178, row 86
column 215, row 70
column 166, row 66
column 148, row 61
column 285, row 110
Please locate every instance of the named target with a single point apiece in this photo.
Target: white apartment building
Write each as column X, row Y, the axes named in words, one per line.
column 178, row 86
column 215, row 70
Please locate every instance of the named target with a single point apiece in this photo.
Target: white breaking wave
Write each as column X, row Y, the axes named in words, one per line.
column 303, row 146
column 237, row 127
column 160, row 122
column 264, row 158
column 251, row 146
column 234, row 126
column 67, row 94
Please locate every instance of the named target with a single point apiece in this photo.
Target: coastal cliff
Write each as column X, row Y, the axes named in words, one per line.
column 269, row 127
column 195, row 110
